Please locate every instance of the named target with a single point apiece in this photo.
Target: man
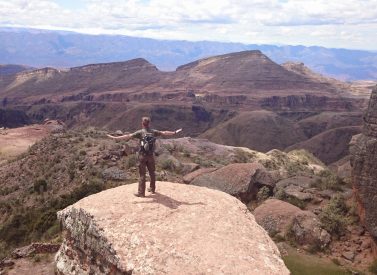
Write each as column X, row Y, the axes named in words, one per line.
column 147, row 137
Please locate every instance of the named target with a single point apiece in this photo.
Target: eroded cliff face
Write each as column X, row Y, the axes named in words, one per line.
column 364, row 163
column 182, row 229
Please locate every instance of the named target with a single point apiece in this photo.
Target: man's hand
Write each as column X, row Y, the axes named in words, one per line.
column 110, row 136
column 177, row 131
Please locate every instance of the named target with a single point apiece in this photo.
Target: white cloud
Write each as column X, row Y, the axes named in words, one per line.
column 343, row 23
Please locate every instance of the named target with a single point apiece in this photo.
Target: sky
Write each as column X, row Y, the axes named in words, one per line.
column 330, row 23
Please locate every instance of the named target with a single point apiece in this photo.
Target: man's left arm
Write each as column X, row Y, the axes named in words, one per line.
column 170, row 133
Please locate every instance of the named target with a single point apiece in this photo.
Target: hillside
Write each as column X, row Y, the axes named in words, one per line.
column 66, row 167
column 245, row 73
column 198, row 95
column 213, row 97
column 257, row 130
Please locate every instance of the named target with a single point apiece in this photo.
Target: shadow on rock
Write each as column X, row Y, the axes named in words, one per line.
column 167, row 201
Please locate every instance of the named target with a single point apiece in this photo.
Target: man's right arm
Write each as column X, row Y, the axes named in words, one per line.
column 125, row 137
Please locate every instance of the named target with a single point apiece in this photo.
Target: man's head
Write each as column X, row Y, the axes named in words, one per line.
column 145, row 121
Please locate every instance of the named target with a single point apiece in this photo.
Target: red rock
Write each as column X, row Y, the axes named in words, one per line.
column 191, row 176
column 364, row 168
column 277, row 216
column 182, row 229
column 242, row 180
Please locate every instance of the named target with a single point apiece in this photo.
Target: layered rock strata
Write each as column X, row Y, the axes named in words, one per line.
column 182, row 229
column 364, row 168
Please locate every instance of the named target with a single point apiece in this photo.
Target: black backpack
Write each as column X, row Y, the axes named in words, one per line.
column 147, row 144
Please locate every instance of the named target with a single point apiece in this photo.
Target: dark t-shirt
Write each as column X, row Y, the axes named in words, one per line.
column 141, row 133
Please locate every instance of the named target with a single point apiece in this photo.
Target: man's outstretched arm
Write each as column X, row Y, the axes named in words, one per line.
column 170, row 133
column 124, row 137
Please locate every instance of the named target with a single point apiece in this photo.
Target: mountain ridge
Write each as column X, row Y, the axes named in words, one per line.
column 69, row 49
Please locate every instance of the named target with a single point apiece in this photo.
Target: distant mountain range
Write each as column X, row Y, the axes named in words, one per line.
column 41, row 48
column 10, row 69
column 247, row 74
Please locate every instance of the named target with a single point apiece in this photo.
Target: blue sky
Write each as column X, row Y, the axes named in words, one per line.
column 341, row 24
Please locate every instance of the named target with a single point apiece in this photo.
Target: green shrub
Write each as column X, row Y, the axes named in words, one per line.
column 241, row 156
column 263, row 194
column 44, row 221
column 334, row 217
column 277, row 238
column 202, row 162
column 328, row 180
column 281, row 195
column 314, row 248
column 294, row 167
column 167, row 164
column 131, row 161
column 40, row 185
column 335, row 261
column 71, row 170
column 34, row 223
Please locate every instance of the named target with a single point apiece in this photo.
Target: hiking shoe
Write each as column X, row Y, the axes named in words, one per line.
column 139, row 195
column 151, row 190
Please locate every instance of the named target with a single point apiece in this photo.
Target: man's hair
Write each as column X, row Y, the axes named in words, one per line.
column 145, row 120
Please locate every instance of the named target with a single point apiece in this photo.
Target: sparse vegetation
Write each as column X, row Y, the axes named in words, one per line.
column 40, row 185
column 30, row 224
column 263, row 194
column 334, row 216
column 202, row 162
column 373, row 267
column 241, row 156
column 300, row 264
column 131, row 161
column 335, row 261
column 281, row 195
column 170, row 165
column 314, row 248
column 327, row 181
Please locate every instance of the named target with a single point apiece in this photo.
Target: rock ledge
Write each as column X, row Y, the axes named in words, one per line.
column 181, row 229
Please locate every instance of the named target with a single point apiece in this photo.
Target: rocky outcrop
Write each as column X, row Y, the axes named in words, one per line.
column 242, row 180
column 34, row 248
column 181, row 229
column 279, row 217
column 310, row 102
column 298, row 187
column 364, row 168
column 191, row 176
column 13, row 118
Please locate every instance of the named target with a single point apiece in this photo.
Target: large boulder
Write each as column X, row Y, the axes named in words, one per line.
column 364, row 168
column 242, row 180
column 289, row 221
column 182, row 229
column 191, row 176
